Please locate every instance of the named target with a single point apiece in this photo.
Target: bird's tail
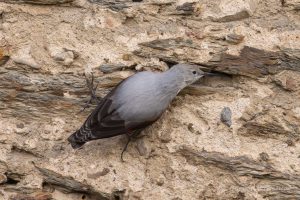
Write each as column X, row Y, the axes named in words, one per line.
column 74, row 141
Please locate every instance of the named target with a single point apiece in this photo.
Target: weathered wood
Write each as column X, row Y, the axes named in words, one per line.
column 68, row 184
column 169, row 44
column 271, row 123
column 251, row 62
column 240, row 165
column 109, row 68
column 32, row 94
column 256, row 62
column 244, row 166
column 114, row 5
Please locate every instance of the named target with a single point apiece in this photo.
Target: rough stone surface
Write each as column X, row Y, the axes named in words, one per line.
column 41, row 2
column 47, row 50
column 23, row 56
column 228, row 10
column 62, row 55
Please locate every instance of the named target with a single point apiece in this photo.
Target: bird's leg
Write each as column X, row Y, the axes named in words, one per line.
column 136, row 133
column 125, row 148
column 92, row 89
column 130, row 136
column 90, row 85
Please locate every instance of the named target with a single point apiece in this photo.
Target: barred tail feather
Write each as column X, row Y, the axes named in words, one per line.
column 75, row 142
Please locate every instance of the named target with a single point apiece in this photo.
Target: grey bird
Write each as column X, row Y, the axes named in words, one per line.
column 135, row 103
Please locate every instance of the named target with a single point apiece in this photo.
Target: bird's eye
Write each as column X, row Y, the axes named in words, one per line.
column 194, row 72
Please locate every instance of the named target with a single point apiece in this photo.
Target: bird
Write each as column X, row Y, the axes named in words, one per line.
column 135, row 103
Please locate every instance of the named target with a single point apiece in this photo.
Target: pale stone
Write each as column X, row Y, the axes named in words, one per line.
column 61, row 54
column 23, row 56
column 231, row 10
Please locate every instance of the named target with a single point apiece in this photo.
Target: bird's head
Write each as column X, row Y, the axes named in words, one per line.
column 189, row 73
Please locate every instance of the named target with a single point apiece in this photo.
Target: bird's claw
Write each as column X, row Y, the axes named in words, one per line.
column 92, row 90
column 125, row 148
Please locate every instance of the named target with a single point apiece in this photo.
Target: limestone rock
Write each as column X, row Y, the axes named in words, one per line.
column 67, row 183
column 295, row 4
column 142, row 148
column 48, row 48
column 3, row 179
column 270, row 123
column 234, row 38
column 288, row 80
column 63, row 55
column 228, row 10
column 186, row 8
column 99, row 174
column 23, row 56
column 42, row 2
column 41, row 196
column 3, row 57
column 256, row 62
column 109, row 68
column 246, row 167
column 152, row 64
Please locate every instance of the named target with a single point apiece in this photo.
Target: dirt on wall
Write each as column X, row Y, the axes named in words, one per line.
column 233, row 136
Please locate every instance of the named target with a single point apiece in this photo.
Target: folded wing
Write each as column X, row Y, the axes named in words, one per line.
column 105, row 122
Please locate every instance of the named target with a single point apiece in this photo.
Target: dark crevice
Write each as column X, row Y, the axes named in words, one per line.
column 118, row 195
column 218, row 73
column 11, row 180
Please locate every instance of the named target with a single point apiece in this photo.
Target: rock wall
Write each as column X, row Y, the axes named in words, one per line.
column 235, row 136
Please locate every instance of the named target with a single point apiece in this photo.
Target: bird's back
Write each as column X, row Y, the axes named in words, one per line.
column 140, row 97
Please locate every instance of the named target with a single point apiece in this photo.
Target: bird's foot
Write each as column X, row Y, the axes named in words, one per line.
column 125, row 148
column 136, row 134
column 130, row 136
column 92, row 90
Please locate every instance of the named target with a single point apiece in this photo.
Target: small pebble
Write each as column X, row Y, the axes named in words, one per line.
column 293, row 166
column 165, row 136
column 141, row 147
column 234, row 38
column 226, row 116
column 160, row 182
column 191, row 128
column 20, row 125
column 109, row 68
column 126, row 57
column 290, row 142
column 99, row 174
column 264, row 156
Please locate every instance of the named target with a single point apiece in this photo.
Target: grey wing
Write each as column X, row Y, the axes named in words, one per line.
column 105, row 122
